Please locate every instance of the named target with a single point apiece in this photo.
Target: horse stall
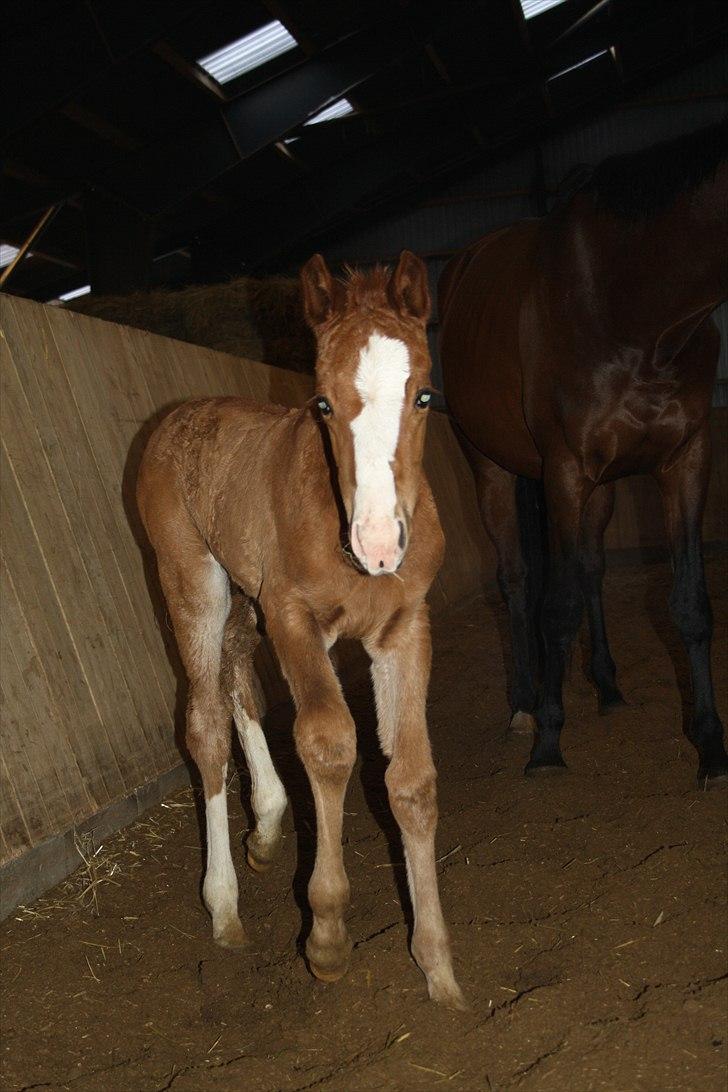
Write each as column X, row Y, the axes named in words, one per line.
column 584, row 912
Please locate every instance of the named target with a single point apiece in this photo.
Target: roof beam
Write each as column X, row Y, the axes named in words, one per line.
column 170, row 171
column 314, row 203
column 269, row 112
column 190, row 71
column 98, row 125
column 76, row 28
column 279, row 11
column 25, row 246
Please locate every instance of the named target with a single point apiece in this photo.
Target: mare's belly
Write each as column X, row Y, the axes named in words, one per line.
column 621, row 445
column 499, row 431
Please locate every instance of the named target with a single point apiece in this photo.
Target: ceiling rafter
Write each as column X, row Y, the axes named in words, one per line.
column 232, row 146
column 190, row 71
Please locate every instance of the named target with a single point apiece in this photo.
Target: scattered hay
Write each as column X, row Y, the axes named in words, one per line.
column 261, row 319
column 108, row 863
column 98, row 868
column 80, row 892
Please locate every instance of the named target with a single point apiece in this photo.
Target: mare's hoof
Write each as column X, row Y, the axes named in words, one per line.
column 611, row 703
column 522, row 724
column 231, row 935
column 545, row 767
column 712, row 778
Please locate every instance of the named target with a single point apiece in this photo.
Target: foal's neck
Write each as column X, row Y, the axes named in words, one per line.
column 310, row 463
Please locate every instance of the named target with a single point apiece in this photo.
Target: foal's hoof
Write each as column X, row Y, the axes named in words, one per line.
column 522, row 724
column 547, row 767
column 327, row 975
column 230, row 935
column 328, row 964
column 611, row 703
column 261, row 854
column 256, row 863
column 448, row 994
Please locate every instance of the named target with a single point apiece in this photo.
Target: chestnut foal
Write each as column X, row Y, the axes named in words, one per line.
column 257, row 498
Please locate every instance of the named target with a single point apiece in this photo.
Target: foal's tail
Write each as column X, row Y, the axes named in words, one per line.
column 531, row 509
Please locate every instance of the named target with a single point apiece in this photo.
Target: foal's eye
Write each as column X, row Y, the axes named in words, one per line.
column 423, row 398
column 324, row 406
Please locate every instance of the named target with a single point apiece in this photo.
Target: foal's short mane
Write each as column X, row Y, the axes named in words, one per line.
column 365, row 288
column 636, row 184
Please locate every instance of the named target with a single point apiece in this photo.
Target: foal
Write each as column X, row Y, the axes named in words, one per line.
column 324, row 516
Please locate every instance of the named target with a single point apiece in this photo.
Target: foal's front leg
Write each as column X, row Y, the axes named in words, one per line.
column 326, row 743
column 401, row 671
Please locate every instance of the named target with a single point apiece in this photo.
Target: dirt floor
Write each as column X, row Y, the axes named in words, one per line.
column 588, row 912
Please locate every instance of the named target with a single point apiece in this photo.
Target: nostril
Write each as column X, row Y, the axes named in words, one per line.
column 401, row 534
column 381, row 564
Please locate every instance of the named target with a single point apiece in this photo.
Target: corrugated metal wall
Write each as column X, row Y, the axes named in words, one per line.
column 498, row 195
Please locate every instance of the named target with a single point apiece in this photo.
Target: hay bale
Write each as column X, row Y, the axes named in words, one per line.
column 261, row 319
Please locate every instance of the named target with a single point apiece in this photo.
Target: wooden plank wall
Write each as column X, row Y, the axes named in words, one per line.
column 89, row 683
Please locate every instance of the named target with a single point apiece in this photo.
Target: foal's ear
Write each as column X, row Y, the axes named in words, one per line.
column 319, row 291
column 408, row 289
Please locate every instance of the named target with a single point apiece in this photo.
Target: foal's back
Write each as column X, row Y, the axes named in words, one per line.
column 207, row 480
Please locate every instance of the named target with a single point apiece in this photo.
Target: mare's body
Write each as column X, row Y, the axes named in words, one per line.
column 245, row 502
column 578, row 349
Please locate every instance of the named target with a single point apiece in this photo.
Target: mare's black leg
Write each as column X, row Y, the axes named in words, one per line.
column 597, row 514
column 496, row 490
column 567, row 493
column 683, row 486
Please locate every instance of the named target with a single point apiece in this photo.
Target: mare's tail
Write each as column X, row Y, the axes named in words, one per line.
column 531, row 509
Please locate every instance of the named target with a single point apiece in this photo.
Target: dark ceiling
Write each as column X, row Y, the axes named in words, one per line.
column 159, row 174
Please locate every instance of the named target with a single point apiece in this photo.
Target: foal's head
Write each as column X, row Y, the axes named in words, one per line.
column 372, row 375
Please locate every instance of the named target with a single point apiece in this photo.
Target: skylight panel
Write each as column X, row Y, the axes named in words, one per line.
column 337, row 109
column 249, row 52
column 7, row 254
column 579, row 64
column 83, row 291
column 538, row 7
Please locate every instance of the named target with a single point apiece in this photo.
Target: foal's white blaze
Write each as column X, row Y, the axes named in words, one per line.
column 384, row 367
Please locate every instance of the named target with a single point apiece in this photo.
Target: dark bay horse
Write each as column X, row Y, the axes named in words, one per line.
column 245, row 502
column 577, row 349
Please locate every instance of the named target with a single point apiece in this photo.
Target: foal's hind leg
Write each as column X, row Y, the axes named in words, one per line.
column 496, row 492
column 268, row 797
column 597, row 514
column 198, row 597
